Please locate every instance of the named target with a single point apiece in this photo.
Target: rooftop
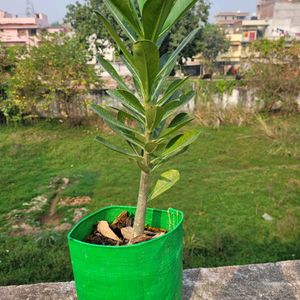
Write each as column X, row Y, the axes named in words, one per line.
column 237, row 13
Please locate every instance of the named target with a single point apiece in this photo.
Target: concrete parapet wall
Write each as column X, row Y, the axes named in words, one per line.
column 273, row 281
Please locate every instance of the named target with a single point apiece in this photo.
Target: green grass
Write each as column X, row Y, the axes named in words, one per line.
column 229, row 178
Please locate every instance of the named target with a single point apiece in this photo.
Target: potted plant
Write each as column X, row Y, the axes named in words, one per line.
column 151, row 269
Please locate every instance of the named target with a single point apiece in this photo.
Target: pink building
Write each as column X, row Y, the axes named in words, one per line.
column 16, row 30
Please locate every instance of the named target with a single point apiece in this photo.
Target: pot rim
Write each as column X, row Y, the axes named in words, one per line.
column 170, row 210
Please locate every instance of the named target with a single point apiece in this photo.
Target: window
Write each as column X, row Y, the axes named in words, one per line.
column 235, row 48
column 21, row 32
column 32, row 32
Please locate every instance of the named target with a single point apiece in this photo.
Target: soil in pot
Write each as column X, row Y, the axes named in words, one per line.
column 120, row 232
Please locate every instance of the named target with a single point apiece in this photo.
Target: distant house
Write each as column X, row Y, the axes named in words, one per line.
column 229, row 21
column 15, row 30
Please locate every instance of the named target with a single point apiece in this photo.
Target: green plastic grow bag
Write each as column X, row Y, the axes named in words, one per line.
column 148, row 271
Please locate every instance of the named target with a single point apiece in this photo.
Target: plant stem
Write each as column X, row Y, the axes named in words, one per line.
column 140, row 215
column 139, row 220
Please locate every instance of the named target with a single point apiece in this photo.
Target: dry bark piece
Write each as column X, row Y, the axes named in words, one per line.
column 140, row 239
column 121, row 220
column 129, row 221
column 150, row 233
column 158, row 235
column 156, row 230
column 105, row 230
column 127, row 232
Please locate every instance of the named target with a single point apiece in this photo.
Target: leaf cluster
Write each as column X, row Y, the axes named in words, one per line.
column 152, row 106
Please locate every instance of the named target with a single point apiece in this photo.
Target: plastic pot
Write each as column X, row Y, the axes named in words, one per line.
column 150, row 270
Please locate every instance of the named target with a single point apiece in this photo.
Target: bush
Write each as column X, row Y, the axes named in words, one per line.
column 273, row 71
column 52, row 79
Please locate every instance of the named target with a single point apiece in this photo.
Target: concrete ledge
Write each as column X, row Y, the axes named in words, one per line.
column 266, row 281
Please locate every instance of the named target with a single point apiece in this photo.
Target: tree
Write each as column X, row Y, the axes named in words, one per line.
column 214, row 42
column 273, row 71
column 7, row 65
column 55, row 74
column 85, row 22
column 155, row 138
column 196, row 17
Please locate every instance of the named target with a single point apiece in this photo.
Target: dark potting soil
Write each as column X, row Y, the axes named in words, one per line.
column 124, row 220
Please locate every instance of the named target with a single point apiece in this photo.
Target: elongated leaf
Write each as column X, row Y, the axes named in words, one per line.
column 175, row 53
column 130, row 137
column 121, row 45
column 178, row 122
column 173, row 87
column 112, row 72
column 164, row 183
column 179, row 9
column 110, row 120
column 163, row 60
column 171, row 106
column 114, row 148
column 157, row 162
column 123, row 115
column 146, row 59
column 180, row 142
column 129, row 31
column 141, row 4
column 154, row 116
column 142, row 165
column 135, row 76
column 155, row 13
column 129, row 101
column 150, row 147
column 123, row 10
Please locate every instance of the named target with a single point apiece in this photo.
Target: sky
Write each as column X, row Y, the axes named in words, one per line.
column 56, row 9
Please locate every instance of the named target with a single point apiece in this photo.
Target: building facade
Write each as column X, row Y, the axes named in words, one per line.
column 285, row 21
column 16, row 30
column 230, row 21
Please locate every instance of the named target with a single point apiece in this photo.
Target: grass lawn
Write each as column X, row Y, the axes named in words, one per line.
column 229, row 178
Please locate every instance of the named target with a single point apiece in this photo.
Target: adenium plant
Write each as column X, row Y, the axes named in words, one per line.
column 153, row 104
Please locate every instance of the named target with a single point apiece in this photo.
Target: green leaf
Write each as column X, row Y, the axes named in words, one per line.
column 173, row 57
column 129, row 101
column 131, row 31
column 151, row 146
column 171, row 106
column 169, row 65
column 112, row 72
column 180, row 142
column 173, row 87
column 110, row 120
column 142, row 165
column 155, row 13
column 114, row 148
column 164, row 183
column 123, row 10
column 123, row 115
column 121, row 45
column 179, row 9
column 146, row 60
column 178, row 122
column 154, row 116
column 141, row 4
column 163, row 60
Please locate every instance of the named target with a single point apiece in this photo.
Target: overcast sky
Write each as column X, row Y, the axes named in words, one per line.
column 56, row 9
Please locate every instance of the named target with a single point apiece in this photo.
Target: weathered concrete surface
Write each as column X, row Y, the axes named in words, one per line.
column 266, row 281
